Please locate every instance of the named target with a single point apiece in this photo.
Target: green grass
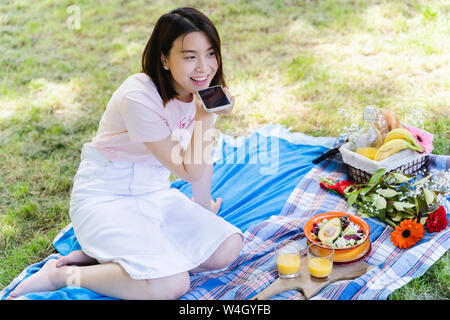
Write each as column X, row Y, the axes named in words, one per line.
column 310, row 65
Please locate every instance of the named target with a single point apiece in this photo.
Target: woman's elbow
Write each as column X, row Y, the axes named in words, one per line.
column 193, row 177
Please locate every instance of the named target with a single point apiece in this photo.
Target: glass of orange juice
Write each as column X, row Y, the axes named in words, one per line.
column 320, row 262
column 288, row 260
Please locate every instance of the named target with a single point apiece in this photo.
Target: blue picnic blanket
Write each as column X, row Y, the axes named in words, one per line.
column 270, row 188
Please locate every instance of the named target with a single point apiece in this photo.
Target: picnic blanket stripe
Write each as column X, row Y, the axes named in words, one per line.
column 287, row 226
column 379, row 241
column 263, row 246
column 289, row 295
column 290, row 226
column 250, row 236
column 343, row 288
column 428, row 253
column 247, row 270
column 418, row 264
column 336, row 292
column 254, row 232
column 439, row 161
column 298, row 192
column 259, row 284
column 259, row 280
column 309, row 178
column 258, row 250
column 298, row 296
column 241, row 275
column 342, row 205
column 321, row 196
column 386, row 267
column 197, row 282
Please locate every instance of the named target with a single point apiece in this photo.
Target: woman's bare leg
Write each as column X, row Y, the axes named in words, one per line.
column 224, row 255
column 108, row 279
column 111, row 280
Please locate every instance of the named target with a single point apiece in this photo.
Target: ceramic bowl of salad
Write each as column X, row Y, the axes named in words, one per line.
column 346, row 233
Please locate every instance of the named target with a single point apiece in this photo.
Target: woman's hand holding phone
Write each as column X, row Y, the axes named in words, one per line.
column 231, row 98
column 216, row 99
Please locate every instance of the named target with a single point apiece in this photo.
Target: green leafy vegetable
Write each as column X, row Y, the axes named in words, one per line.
column 392, row 197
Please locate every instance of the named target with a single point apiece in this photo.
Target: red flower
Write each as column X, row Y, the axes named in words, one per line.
column 437, row 221
column 339, row 187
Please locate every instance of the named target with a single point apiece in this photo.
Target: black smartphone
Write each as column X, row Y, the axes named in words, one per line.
column 214, row 98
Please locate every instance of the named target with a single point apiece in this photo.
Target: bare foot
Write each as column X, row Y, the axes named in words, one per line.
column 45, row 279
column 76, row 257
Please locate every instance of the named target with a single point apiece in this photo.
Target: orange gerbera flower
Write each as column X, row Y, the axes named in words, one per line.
column 407, row 234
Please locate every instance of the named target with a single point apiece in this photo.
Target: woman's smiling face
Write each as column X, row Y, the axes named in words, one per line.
column 192, row 63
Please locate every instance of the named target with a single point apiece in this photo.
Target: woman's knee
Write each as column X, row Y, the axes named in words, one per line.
column 235, row 247
column 228, row 251
column 168, row 288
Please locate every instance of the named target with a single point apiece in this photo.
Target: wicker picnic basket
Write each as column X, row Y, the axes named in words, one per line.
column 360, row 168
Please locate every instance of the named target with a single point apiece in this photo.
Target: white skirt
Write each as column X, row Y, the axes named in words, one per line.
column 126, row 212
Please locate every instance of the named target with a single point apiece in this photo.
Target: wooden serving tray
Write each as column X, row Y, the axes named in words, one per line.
column 309, row 287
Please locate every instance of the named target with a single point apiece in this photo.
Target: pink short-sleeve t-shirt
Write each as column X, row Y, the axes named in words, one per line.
column 135, row 114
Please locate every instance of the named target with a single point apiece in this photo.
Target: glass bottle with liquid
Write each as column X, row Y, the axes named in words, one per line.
column 369, row 137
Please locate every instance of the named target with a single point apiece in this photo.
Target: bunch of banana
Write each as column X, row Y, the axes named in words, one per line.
column 395, row 141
